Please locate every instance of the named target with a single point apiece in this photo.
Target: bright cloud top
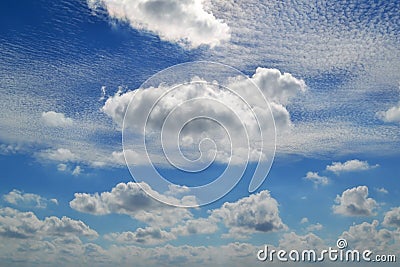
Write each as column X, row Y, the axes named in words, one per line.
column 355, row 202
column 55, row 119
column 17, row 197
column 224, row 106
column 316, row 178
column 185, row 22
column 350, row 166
column 390, row 115
column 392, row 218
column 256, row 213
column 22, row 225
column 130, row 199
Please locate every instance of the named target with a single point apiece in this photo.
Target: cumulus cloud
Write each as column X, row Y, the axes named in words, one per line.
column 349, row 166
column 62, row 167
column 183, row 22
column 382, row 190
column 392, row 218
column 130, row 199
column 355, row 202
column 300, row 242
column 142, row 236
column 77, row 171
column 256, row 213
column 198, row 97
column 176, row 190
column 195, row 227
column 16, row 224
column 390, row 115
column 304, row 220
column 60, row 154
column 17, row 197
column 368, row 236
column 316, row 178
column 314, row 227
column 55, row 119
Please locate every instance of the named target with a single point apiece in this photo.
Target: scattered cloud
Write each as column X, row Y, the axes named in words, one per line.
column 382, row 190
column 177, row 190
column 142, row 236
column 196, row 227
column 368, row 236
column 355, row 202
column 392, row 218
column 304, row 220
column 175, row 105
column 60, row 154
column 55, row 119
column 6, row 149
column 130, row 199
column 350, row 166
column 294, row 241
column 77, row 171
column 22, row 225
column 316, row 178
column 390, row 115
column 19, row 198
column 255, row 213
column 62, row 167
column 184, row 22
column 314, row 227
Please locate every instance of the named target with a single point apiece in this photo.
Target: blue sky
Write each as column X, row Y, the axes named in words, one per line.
column 330, row 73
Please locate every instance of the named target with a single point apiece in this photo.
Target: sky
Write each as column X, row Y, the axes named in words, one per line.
column 176, row 133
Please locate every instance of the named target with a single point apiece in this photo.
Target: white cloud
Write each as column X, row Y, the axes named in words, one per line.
column 142, row 236
column 316, row 178
column 55, row 119
column 129, row 198
column 367, row 236
column 355, row 202
column 62, row 167
column 300, row 242
column 197, row 98
column 16, row 224
column 184, row 22
column 77, row 170
column 382, row 190
column 390, row 115
column 349, row 166
column 6, row 149
column 314, row 227
column 392, row 218
column 196, row 227
column 304, row 220
column 19, row 198
column 177, row 190
column 60, row 154
column 65, row 226
column 255, row 213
